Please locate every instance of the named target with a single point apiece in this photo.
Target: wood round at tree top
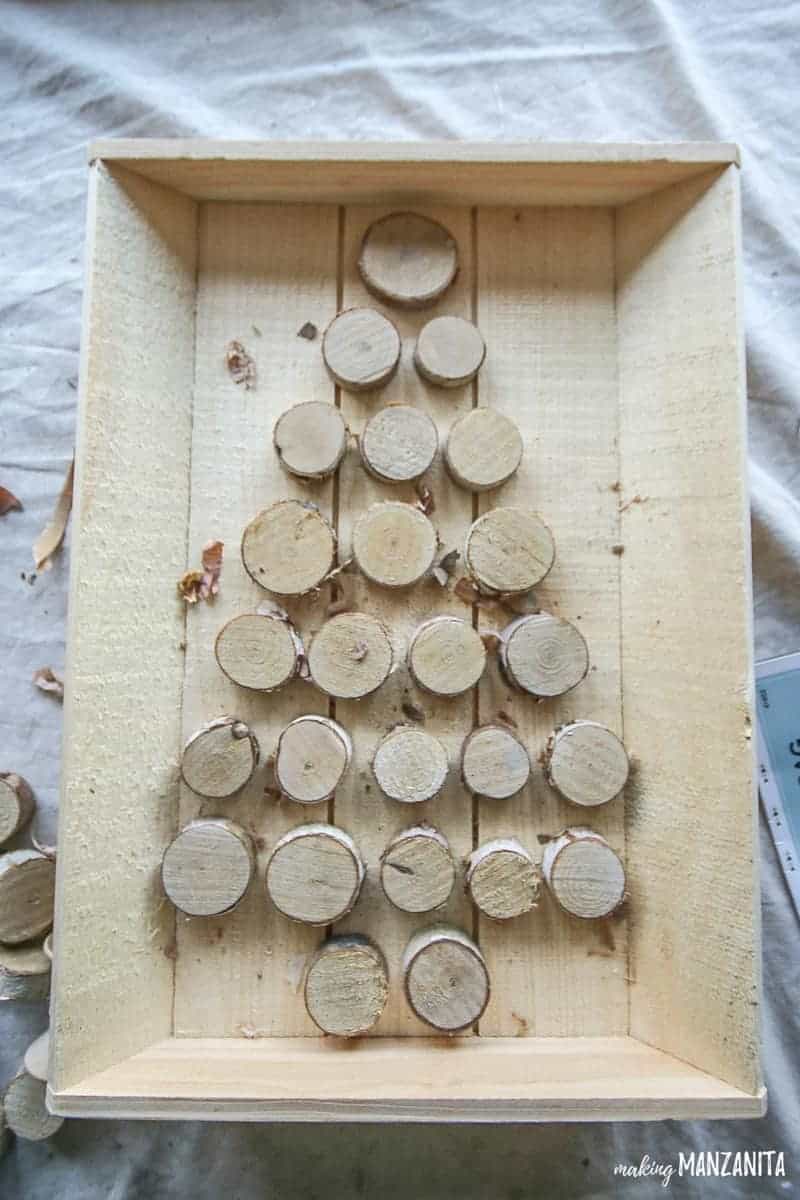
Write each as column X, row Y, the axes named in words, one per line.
column 289, row 548
column 543, row 655
column 27, row 895
column 446, row 656
column 16, row 804
column 24, row 973
column 219, row 760
column 399, row 444
column 509, row 550
column 310, row 439
column 483, row 450
column 494, row 763
column 312, row 756
column 207, row 868
column 314, row 874
column 586, row 763
column 407, row 259
column 361, row 349
column 258, row 651
column 26, row 1109
column 445, row 977
column 37, row 1055
column 394, row 544
column 350, row 656
column 449, row 351
column 410, row 765
column 347, row 985
column 502, row 879
column 585, row 876
column 417, row 870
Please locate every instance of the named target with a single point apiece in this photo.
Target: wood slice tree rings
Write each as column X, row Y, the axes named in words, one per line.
column 483, row 450
column 445, row 978
column 310, row 439
column 584, row 875
column 446, row 656
column 314, row 874
column 399, row 444
column 502, row 879
column 37, row 1056
column 449, row 351
column 26, row 1110
column 350, row 656
column 361, row 349
column 408, row 260
column 543, row 655
column 312, row 756
column 219, row 760
column 410, row 765
column 394, row 544
column 289, row 548
column 586, row 763
column 208, row 867
column 27, row 891
column 347, row 985
column 494, row 763
column 24, row 973
column 417, row 870
column 16, row 804
column 258, row 651
column 508, row 551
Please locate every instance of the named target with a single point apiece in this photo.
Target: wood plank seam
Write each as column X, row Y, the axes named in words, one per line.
column 476, row 694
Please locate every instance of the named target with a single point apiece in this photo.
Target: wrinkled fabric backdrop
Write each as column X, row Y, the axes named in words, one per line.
column 347, row 69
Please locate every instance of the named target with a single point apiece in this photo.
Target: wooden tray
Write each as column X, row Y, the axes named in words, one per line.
column 606, row 282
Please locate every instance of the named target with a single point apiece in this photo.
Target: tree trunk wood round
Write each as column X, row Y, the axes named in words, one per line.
column 449, row 351
column 399, row 444
column 417, row 870
column 37, row 1055
column 24, row 973
column 394, row 544
column 508, row 550
column 502, row 879
column 312, row 756
column 311, row 439
column 16, row 804
column 258, row 651
column 410, row 765
column 584, row 875
column 445, row 978
column 27, row 891
column 26, row 1110
column 347, row 985
column 361, row 349
column 219, row 760
column 586, row 763
column 408, row 260
column 351, row 656
column 208, row 867
column 289, row 548
column 543, row 655
column 446, row 656
column 494, row 763
column 483, row 450
column 314, row 874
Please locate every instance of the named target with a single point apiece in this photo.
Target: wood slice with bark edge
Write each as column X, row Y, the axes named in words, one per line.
column 410, row 765
column 346, row 985
column 26, row 1110
column 289, row 548
column 407, row 259
column 361, row 349
column 310, row 439
column 37, row 1055
column 584, row 875
column 259, row 651
column 398, row 444
column 449, row 351
column 16, row 804
column 445, row 978
column 208, row 867
column 394, row 544
column 350, row 656
column 24, row 973
column 543, row 655
column 312, row 756
column 494, row 763
column 586, row 763
column 314, row 874
column 220, row 758
column 27, row 891
column 446, row 657
column 501, row 879
column 508, row 551
column 417, row 870
column 483, row 450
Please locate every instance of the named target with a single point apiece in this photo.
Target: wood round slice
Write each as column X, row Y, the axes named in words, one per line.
column 494, row 763
column 311, row 439
column 449, row 351
column 350, row 656
column 289, row 548
column 410, row 765
column 347, row 985
column 502, row 879
column 258, row 651
column 399, row 443
column 314, row 874
column 394, row 544
column 207, row 869
column 509, row 550
column 586, row 763
column 543, row 655
column 26, row 1110
column 584, row 875
column 408, row 260
column 446, row 656
column 16, row 804
column 27, row 895
column 361, row 349
column 312, row 756
column 445, row 978
column 417, row 870
column 24, row 973
column 37, row 1055
column 219, row 760
column 483, row 450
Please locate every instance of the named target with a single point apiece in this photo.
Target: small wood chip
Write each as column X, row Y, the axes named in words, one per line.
column 8, row 501
column 241, row 366
column 308, row 331
column 48, row 681
column 204, row 584
column 49, row 540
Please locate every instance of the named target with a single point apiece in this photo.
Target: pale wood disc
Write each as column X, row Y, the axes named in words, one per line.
column 417, row 870
column 16, row 804
column 449, row 351
column 37, row 1055
column 483, row 450
column 410, row 765
column 311, row 439
column 543, row 655
column 207, row 868
column 584, row 874
column 312, row 756
column 394, row 544
column 314, row 874
column 502, row 879
column 445, row 978
column 399, row 443
column 26, row 1110
column 350, row 656
column 347, row 985
column 24, row 973
column 494, row 763
column 407, row 259
column 27, row 895
column 219, row 760
column 446, row 656
column 289, row 548
column 257, row 651
column 586, row 763
column 361, row 349
column 509, row 550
